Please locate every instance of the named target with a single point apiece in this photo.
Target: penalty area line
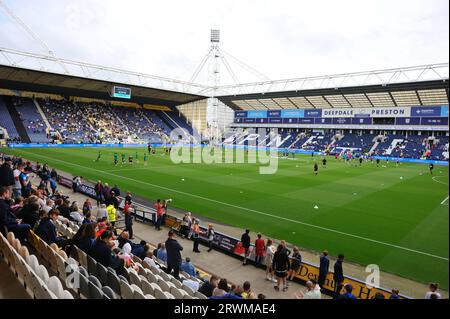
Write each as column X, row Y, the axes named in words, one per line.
column 249, row 209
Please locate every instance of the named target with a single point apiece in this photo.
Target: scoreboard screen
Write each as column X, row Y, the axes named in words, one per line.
column 121, row 92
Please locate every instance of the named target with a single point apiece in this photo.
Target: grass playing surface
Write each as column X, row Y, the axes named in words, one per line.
column 370, row 214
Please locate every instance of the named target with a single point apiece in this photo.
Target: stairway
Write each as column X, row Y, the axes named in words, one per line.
column 44, row 118
column 21, row 130
column 374, row 147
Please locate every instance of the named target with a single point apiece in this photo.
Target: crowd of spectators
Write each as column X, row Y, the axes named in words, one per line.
column 79, row 122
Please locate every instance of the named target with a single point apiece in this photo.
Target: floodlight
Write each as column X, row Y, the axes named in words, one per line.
column 215, row 36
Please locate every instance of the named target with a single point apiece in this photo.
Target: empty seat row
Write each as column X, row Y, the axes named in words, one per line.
column 30, row 273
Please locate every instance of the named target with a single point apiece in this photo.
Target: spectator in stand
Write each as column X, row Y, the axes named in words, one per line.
column 338, row 275
column 133, row 248
column 102, row 253
column 245, row 240
column 87, row 238
column 17, row 207
column 210, row 235
column 285, row 249
column 222, row 288
column 348, row 292
column 116, row 190
column 106, row 193
column 173, row 255
column 114, row 200
column 40, row 195
column 75, row 213
column 248, row 293
column 76, row 183
column 260, row 247
column 53, row 185
column 87, row 206
column 186, row 225
column 111, row 210
column 162, row 253
column 102, row 225
column 124, row 239
column 313, row 291
column 54, row 175
column 28, row 167
column 63, row 206
column 149, row 258
column 87, row 218
column 378, row 295
column 44, row 174
column 193, row 284
column 30, row 211
column 433, row 293
column 296, row 261
column 7, row 175
column 238, row 291
column 234, row 294
column 128, row 219
column 25, row 181
column 17, row 189
column 127, row 255
column 196, row 235
column 270, row 251
column 98, row 192
column 47, row 229
column 128, row 198
column 395, row 294
column 323, row 268
column 155, row 251
column 102, row 212
column 159, row 214
column 281, row 267
column 188, row 267
column 8, row 221
column 165, row 205
column 208, row 286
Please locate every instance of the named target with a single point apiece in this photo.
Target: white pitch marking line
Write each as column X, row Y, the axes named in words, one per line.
column 442, row 203
column 434, row 179
column 248, row 209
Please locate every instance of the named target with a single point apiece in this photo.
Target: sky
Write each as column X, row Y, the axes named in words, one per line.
column 281, row 39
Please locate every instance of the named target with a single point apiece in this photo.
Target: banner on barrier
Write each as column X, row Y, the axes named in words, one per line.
column 374, row 112
column 307, row 271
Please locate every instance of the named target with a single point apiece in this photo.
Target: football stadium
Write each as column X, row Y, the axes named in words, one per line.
column 117, row 184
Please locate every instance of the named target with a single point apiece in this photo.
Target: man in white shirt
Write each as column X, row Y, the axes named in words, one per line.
column 312, row 293
column 433, row 294
column 76, row 216
column 195, row 285
column 17, row 190
column 149, row 260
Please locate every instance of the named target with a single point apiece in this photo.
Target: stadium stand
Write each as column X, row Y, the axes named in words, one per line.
column 83, row 122
column 31, row 119
column 6, row 121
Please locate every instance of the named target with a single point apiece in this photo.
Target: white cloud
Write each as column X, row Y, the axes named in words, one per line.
column 281, row 39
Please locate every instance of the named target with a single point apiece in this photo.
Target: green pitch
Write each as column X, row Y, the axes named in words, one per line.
column 395, row 217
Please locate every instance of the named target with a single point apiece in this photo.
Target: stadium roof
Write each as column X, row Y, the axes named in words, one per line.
column 41, row 73
column 402, row 94
column 419, row 85
column 423, row 85
column 66, row 85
